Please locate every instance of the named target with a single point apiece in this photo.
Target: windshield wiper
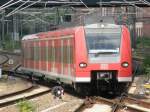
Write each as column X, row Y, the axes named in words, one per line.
column 98, row 53
column 103, row 51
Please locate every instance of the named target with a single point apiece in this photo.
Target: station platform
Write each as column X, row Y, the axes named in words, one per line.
column 10, row 85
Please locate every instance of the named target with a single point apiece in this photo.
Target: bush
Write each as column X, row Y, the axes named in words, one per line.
column 146, row 64
column 25, row 106
column 9, row 44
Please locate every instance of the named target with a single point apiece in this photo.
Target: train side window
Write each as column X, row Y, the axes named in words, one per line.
column 29, row 57
column 42, row 53
column 65, row 54
column 36, row 53
column 39, row 51
column 71, row 54
column 53, row 51
column 50, row 53
column 46, row 53
column 68, row 51
column 24, row 51
column 27, row 51
column 56, row 54
column 32, row 53
column 62, row 50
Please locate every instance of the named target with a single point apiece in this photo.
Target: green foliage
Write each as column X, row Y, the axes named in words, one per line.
column 146, row 64
column 143, row 42
column 142, row 52
column 146, row 61
column 25, row 106
column 9, row 44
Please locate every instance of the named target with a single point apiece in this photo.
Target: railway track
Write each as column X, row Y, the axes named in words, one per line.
column 3, row 59
column 9, row 53
column 123, row 104
column 28, row 93
column 27, row 88
column 9, row 60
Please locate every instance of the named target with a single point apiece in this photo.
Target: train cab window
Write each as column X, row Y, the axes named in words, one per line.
column 50, row 53
column 46, row 53
column 35, row 53
column 32, row 53
column 103, row 41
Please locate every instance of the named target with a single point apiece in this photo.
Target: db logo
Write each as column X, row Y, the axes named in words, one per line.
column 104, row 66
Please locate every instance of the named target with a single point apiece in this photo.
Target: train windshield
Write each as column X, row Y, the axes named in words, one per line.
column 103, row 40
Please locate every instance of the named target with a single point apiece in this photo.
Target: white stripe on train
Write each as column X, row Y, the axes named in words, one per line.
column 71, row 78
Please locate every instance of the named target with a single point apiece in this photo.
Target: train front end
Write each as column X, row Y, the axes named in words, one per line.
column 103, row 57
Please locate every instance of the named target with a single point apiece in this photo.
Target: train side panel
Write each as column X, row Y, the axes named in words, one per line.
column 51, row 54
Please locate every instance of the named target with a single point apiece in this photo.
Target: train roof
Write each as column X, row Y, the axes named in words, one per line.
column 53, row 32
column 69, row 30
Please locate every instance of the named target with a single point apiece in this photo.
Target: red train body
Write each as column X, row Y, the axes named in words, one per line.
column 81, row 55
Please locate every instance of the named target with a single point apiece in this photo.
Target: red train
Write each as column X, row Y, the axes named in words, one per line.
column 95, row 56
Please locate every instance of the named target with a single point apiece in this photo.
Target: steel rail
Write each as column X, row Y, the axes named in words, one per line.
column 116, row 105
column 8, row 101
column 5, row 61
column 9, row 53
column 16, row 93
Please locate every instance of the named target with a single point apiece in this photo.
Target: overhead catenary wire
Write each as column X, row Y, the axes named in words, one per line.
column 55, row 2
column 37, row 18
column 6, row 4
column 10, row 5
column 84, row 4
column 136, row 7
column 11, row 13
column 146, row 2
column 27, row 6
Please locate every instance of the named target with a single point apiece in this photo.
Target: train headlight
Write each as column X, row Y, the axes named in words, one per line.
column 125, row 64
column 83, row 65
